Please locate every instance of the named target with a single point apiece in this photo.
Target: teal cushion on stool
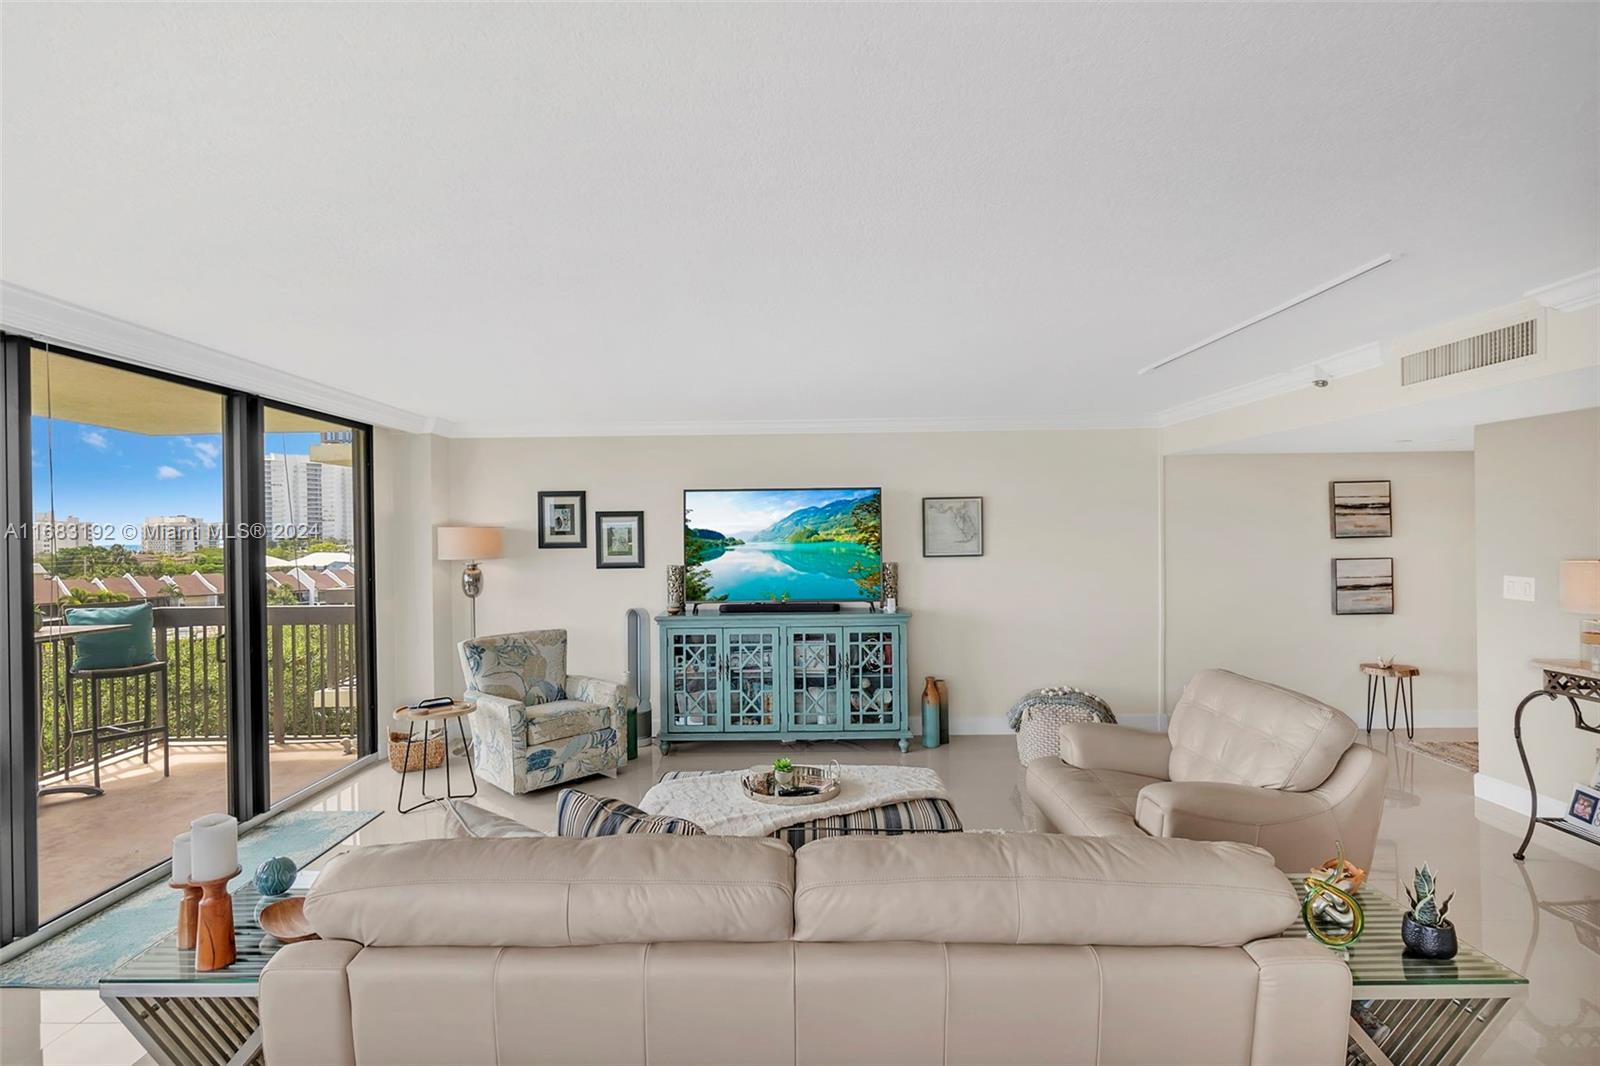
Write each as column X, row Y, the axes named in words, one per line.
column 110, row 651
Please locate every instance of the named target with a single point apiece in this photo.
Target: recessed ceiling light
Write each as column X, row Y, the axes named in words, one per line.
column 1295, row 301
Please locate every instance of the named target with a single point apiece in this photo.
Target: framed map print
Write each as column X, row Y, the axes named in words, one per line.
column 952, row 526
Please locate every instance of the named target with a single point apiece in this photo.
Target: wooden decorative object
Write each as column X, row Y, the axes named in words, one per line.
column 214, row 948
column 286, row 920
column 188, row 915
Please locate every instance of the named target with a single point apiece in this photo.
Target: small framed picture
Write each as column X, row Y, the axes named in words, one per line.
column 562, row 522
column 952, row 526
column 1363, row 586
column 1584, row 810
column 1360, row 509
column 618, row 540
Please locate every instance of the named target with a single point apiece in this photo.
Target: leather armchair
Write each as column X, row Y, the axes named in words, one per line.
column 1242, row 760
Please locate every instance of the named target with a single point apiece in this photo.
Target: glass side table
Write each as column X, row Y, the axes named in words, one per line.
column 1408, row 1011
column 184, row 1017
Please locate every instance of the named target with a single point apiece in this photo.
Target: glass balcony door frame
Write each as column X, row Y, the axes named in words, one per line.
column 244, row 567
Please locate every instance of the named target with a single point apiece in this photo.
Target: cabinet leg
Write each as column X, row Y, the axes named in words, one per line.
column 662, row 745
column 905, row 745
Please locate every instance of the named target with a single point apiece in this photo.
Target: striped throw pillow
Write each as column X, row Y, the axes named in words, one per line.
column 579, row 814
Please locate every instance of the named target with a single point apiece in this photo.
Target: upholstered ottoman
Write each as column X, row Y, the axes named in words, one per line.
column 1039, row 716
column 891, row 819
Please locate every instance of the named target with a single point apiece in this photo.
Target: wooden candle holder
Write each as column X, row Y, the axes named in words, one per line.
column 188, row 914
column 215, row 944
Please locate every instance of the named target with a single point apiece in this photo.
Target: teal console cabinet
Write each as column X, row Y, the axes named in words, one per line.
column 783, row 677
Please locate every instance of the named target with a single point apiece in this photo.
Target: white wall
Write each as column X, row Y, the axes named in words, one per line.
column 1538, row 502
column 1065, row 593
column 1248, row 558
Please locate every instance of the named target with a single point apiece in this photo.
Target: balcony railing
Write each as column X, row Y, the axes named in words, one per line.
column 311, row 682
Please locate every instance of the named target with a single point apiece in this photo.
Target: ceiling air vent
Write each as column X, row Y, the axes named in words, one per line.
column 1516, row 341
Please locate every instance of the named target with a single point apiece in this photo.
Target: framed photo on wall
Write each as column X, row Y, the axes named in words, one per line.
column 618, row 540
column 1360, row 509
column 562, row 520
column 952, row 526
column 1363, row 586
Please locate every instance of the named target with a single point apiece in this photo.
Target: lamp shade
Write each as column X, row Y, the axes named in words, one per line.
column 1580, row 586
column 470, row 542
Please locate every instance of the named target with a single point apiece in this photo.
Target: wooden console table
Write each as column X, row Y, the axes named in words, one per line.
column 1576, row 681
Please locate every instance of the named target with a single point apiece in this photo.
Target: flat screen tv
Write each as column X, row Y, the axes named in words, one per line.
column 782, row 545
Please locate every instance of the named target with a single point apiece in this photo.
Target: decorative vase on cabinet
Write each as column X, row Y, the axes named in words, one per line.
column 783, row 677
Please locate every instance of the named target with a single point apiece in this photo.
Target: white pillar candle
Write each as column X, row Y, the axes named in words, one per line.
column 214, row 846
column 180, row 859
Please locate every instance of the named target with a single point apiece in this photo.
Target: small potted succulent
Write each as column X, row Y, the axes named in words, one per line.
column 1426, row 931
column 782, row 774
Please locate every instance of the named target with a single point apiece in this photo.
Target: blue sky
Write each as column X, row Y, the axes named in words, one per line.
column 741, row 511
column 113, row 477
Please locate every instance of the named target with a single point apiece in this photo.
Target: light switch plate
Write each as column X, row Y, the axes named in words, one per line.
column 1517, row 588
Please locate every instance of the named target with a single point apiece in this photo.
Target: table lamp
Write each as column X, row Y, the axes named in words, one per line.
column 470, row 544
column 1580, row 594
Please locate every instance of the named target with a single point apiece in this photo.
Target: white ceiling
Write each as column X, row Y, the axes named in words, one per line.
column 526, row 218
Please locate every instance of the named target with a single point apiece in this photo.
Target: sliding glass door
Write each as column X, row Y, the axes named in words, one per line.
column 187, row 626
column 129, row 611
column 313, row 662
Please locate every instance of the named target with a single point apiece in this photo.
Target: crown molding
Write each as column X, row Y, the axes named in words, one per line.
column 543, row 427
column 1354, row 361
column 45, row 318
column 1569, row 294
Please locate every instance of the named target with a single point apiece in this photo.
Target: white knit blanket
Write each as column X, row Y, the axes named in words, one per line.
column 717, row 803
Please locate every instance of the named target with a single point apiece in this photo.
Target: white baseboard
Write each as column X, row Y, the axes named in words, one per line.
column 1514, row 797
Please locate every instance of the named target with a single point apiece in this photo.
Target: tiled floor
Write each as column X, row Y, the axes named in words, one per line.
column 1541, row 917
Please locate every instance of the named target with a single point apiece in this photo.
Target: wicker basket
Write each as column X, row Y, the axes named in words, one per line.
column 1045, row 710
column 429, row 756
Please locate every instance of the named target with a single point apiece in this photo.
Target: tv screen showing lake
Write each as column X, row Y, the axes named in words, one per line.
column 782, row 544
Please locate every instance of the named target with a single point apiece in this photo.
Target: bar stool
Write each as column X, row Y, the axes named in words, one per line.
column 154, row 674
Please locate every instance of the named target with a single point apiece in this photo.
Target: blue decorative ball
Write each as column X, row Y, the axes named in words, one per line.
column 274, row 876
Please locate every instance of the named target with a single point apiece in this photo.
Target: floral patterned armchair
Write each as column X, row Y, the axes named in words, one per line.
column 533, row 724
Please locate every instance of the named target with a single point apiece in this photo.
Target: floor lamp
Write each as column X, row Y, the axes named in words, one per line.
column 470, row 544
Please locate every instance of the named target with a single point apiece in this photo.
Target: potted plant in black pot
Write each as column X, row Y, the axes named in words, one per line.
column 1426, row 931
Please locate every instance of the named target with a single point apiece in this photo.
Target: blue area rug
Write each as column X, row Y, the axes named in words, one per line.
column 90, row 950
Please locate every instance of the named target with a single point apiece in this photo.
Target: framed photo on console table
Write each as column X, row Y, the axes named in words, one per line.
column 562, row 522
column 618, row 540
column 952, row 526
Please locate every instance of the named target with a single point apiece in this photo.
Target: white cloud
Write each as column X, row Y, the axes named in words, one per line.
column 205, row 452
column 167, row 473
column 94, row 439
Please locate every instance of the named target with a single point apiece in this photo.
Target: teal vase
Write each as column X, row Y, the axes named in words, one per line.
column 930, row 714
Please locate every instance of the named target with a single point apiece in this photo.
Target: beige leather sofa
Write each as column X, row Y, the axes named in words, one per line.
column 1241, row 760
column 955, row 948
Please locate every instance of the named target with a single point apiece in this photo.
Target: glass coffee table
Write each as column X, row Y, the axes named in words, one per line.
column 187, row 1018
column 1417, row 1012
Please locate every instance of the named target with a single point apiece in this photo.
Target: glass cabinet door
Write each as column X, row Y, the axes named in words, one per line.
column 752, row 664
column 871, row 679
column 814, row 679
column 694, row 700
